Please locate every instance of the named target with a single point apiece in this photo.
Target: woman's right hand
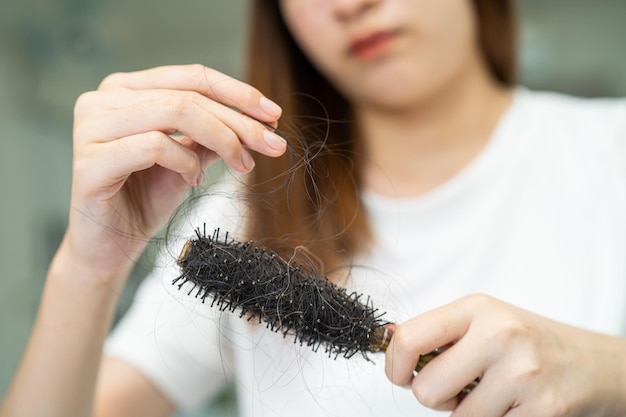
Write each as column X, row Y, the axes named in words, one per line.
column 129, row 171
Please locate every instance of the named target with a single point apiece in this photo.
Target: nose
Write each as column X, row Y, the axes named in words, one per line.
column 346, row 10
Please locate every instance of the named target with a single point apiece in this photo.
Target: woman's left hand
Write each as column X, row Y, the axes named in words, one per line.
column 528, row 365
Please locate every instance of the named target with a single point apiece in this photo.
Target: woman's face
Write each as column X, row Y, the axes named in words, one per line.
column 385, row 53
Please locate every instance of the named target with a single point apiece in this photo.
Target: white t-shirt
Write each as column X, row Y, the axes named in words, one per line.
column 538, row 219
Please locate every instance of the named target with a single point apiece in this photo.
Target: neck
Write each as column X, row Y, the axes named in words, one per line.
column 413, row 150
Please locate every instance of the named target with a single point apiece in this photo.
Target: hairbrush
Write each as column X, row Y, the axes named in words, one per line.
column 287, row 296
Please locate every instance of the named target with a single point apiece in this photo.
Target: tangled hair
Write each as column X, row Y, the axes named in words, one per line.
column 321, row 207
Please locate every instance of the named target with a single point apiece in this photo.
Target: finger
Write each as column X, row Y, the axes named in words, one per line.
column 450, row 373
column 176, row 106
column 490, row 398
column 206, row 81
column 205, row 130
column 131, row 154
column 422, row 335
column 206, row 156
column 212, row 125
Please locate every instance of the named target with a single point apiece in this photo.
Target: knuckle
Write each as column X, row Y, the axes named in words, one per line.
column 202, row 75
column 424, row 394
column 526, row 371
column 197, row 69
column 110, row 81
column 178, row 105
column 478, row 300
column 231, row 147
column 251, row 96
column 554, row 404
column 526, row 374
column 193, row 99
column 155, row 145
column 402, row 340
column 182, row 104
column 252, row 131
column 513, row 331
column 84, row 101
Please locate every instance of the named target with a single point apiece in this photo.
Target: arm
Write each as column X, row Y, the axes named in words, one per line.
column 528, row 365
column 129, row 175
column 124, row 391
column 65, row 352
column 59, row 368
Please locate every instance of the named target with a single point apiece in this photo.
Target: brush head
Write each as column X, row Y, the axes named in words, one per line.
column 288, row 297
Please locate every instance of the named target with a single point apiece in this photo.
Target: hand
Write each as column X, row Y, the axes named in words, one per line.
column 130, row 172
column 527, row 365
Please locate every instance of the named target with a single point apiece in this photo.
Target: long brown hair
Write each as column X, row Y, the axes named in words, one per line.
column 317, row 205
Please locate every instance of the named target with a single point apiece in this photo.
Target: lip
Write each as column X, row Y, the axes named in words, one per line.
column 372, row 45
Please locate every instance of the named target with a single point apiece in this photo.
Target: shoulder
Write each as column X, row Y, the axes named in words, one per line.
column 557, row 110
column 561, row 120
column 584, row 109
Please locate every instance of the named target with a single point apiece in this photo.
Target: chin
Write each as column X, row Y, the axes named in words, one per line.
column 396, row 95
column 395, row 84
column 397, row 103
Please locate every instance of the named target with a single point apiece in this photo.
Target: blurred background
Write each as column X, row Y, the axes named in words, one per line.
column 53, row 50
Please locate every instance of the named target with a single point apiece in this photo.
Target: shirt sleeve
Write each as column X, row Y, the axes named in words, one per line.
column 177, row 343
column 175, row 340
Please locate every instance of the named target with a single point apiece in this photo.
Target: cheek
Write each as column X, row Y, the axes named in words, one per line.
column 311, row 25
column 304, row 19
column 448, row 24
column 443, row 36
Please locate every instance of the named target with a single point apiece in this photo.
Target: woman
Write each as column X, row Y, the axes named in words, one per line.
column 448, row 182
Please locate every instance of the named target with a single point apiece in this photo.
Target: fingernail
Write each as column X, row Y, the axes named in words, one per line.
column 269, row 107
column 200, row 178
column 274, row 141
column 247, row 161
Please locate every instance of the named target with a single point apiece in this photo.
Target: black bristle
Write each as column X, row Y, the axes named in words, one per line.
column 289, row 298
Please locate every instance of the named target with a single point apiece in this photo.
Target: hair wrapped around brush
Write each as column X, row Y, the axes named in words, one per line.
column 288, row 297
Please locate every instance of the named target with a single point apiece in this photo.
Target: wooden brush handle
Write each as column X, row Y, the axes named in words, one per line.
column 425, row 359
